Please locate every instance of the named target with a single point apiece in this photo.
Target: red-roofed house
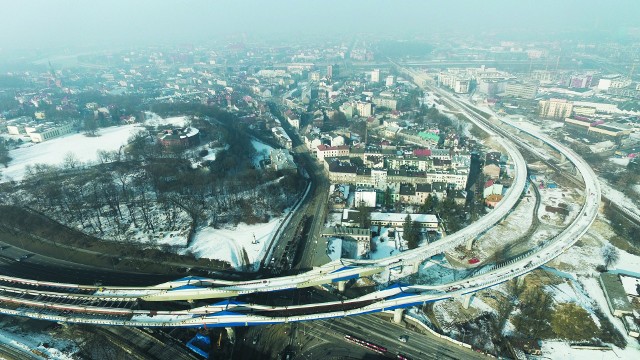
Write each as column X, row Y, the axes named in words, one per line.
column 422, row 152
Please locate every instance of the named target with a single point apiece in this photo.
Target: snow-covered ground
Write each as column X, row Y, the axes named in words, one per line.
column 389, row 242
column 84, row 148
column 334, row 248
column 228, row 243
column 619, row 198
column 34, row 342
column 262, row 151
column 54, row 151
column 152, row 119
column 438, row 271
column 568, row 198
column 507, row 231
column 562, row 350
column 620, row 161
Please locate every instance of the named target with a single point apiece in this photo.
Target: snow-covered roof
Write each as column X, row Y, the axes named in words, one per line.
column 399, row 217
column 630, row 284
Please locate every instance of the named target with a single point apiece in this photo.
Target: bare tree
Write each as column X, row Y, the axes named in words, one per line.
column 610, row 255
column 70, row 161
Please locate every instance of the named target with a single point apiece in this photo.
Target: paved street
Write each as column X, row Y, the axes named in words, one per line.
column 379, row 331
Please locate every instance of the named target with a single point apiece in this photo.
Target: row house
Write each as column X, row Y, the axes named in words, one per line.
column 324, row 151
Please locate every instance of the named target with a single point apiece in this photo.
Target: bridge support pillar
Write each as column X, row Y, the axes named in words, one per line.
column 398, row 314
column 470, row 243
column 341, row 285
column 415, row 267
column 466, row 300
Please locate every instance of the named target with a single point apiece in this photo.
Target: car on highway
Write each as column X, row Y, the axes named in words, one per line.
column 403, row 338
column 24, row 257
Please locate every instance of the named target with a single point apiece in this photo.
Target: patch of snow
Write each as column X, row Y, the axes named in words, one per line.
column 53, row 152
column 389, row 242
column 84, row 148
column 620, row 161
column 334, row 219
column 153, row 119
column 227, row 244
column 58, row 349
column 262, row 151
column 509, row 230
column 630, row 284
column 619, row 198
column 562, row 350
column 334, row 248
column 592, row 287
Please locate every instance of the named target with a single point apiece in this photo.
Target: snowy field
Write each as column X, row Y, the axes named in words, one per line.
column 507, row 231
column 571, row 199
column 228, row 243
column 619, row 198
column 84, row 148
column 53, row 152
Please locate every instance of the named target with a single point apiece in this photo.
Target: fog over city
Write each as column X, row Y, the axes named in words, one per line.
column 319, row 179
column 75, row 23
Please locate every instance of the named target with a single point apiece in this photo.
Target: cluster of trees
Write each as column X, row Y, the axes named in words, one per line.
column 431, row 116
column 153, row 188
column 536, row 310
column 411, row 232
column 624, row 228
column 411, row 101
column 540, row 318
column 452, row 214
column 4, row 153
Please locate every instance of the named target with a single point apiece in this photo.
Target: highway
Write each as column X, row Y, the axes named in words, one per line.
column 385, row 333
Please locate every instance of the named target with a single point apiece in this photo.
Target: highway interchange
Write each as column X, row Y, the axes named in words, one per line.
column 120, row 305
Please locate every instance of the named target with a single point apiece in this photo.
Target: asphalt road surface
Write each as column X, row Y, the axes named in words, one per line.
column 381, row 332
column 40, row 267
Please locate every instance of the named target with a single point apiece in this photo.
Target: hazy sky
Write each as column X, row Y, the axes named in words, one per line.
column 71, row 23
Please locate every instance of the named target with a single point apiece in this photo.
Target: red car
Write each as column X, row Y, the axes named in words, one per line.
column 474, row 260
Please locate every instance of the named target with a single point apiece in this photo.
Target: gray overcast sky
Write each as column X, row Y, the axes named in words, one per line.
column 72, row 23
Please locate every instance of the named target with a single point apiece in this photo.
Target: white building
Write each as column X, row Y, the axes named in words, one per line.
column 375, row 75
column 325, row 151
column 365, row 197
column 364, row 109
column 390, row 80
column 282, row 160
column 555, row 108
column 426, row 221
column 43, row 133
